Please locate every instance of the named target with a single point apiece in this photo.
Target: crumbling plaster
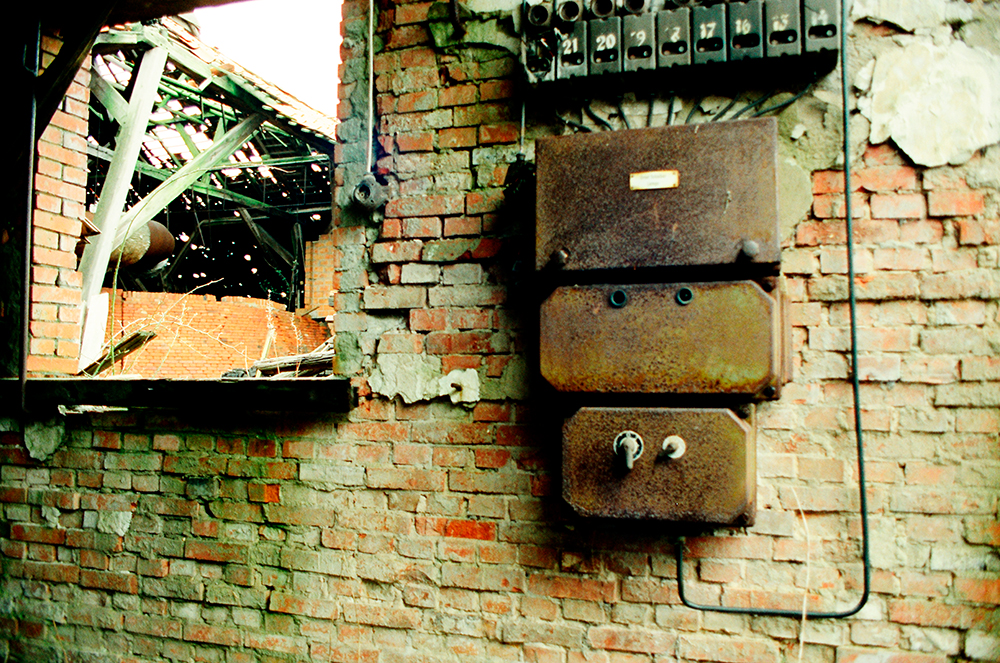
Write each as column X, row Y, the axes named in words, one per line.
column 935, row 96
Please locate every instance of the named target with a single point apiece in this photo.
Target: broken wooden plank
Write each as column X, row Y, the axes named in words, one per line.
column 118, row 351
column 308, row 360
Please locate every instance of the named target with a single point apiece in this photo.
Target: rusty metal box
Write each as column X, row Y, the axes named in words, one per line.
column 681, row 338
column 713, row 481
column 703, row 194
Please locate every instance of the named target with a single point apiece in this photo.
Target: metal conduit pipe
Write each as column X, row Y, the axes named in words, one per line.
column 855, row 387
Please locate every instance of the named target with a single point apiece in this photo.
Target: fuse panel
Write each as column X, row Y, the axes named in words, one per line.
column 578, row 39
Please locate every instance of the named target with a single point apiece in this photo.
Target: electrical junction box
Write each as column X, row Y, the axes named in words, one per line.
column 686, row 195
column 660, row 251
column 573, row 40
column 711, row 480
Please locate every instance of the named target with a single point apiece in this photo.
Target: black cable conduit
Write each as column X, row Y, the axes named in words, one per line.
column 855, row 388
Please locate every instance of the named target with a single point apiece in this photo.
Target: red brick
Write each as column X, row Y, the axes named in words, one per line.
column 426, row 206
column 955, row 203
column 216, row 551
column 418, row 142
column 471, row 529
column 38, row 534
column 562, row 587
column 296, row 605
column 492, row 134
column 898, row 206
column 259, row 448
column 631, row 639
column 458, row 95
column 264, row 492
column 216, row 635
column 978, row 590
column 125, row 583
column 457, row 137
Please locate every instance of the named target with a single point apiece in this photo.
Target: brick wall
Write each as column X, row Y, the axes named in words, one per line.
column 60, row 194
column 198, row 336
column 435, row 532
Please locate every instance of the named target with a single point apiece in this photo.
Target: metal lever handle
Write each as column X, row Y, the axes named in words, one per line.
column 628, row 447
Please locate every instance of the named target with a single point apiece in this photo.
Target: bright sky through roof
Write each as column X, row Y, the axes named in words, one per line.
column 294, row 44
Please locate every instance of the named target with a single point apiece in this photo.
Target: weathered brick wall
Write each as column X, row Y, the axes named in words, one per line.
column 198, row 336
column 435, row 532
column 60, row 194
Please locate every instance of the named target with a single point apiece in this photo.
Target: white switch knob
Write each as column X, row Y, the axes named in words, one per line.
column 674, row 446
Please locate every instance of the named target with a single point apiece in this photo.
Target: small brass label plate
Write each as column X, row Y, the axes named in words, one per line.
column 654, row 179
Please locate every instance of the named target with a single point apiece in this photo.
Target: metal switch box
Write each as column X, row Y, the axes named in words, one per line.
column 690, row 338
column 713, row 480
column 690, row 195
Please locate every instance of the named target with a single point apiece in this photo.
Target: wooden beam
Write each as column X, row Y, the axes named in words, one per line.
column 264, row 238
column 183, row 178
column 109, row 97
column 96, row 255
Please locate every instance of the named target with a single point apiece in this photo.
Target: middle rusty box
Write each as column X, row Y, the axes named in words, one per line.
column 683, row 338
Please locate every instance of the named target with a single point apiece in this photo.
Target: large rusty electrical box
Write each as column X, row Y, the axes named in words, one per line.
column 661, row 253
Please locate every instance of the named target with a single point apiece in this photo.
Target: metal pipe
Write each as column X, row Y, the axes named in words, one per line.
column 31, row 64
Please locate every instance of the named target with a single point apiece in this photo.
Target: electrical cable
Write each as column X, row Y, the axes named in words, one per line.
column 690, row 114
column 573, row 123
column 670, row 111
column 595, row 117
column 649, row 111
column 371, row 85
column 729, row 107
column 783, row 104
column 621, row 114
column 752, row 105
column 855, row 389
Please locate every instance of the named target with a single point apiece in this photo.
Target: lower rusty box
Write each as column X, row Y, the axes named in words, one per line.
column 687, row 338
column 712, row 480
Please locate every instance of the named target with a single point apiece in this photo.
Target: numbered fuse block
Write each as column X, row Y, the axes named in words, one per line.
column 673, row 38
column 822, row 25
column 745, row 29
column 782, row 28
column 605, row 44
column 571, row 61
column 639, row 41
column 708, row 23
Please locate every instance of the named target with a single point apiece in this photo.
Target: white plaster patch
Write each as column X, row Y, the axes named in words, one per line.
column 939, row 104
column 116, row 522
column 911, row 14
column 43, row 437
column 50, row 515
column 461, row 386
column 412, row 377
